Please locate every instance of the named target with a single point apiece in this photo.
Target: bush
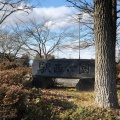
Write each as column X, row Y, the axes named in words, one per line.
column 40, row 108
column 18, row 103
column 13, row 77
column 17, row 100
column 13, row 101
column 24, row 60
column 6, row 65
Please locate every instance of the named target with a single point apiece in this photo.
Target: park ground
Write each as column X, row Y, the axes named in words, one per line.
column 20, row 101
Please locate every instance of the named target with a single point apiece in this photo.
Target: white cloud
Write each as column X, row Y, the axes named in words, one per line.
column 52, row 13
column 62, row 17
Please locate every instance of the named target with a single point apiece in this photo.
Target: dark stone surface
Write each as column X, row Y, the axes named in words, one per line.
column 85, row 85
column 64, row 68
column 43, row 82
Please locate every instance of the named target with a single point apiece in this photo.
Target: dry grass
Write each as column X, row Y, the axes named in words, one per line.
column 79, row 105
column 51, row 104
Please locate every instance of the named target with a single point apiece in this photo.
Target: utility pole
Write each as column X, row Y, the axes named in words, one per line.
column 79, row 17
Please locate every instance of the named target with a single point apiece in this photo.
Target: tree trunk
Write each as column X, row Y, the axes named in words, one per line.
column 105, row 75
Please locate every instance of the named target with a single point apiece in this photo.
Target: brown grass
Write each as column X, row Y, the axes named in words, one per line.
column 20, row 102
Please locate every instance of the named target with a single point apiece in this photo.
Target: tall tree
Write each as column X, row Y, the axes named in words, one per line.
column 105, row 85
column 105, row 17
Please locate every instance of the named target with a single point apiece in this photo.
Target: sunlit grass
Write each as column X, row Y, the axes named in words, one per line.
column 79, row 105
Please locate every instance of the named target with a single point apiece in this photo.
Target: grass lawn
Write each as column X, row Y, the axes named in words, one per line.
column 78, row 105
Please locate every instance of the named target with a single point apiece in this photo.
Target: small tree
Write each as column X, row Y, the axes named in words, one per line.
column 25, row 60
column 11, row 44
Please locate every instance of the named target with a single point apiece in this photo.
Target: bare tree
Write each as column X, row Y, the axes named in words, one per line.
column 85, row 10
column 11, row 45
column 43, row 38
column 8, row 7
column 86, row 6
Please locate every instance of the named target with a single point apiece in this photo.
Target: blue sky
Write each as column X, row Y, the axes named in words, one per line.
column 50, row 3
column 59, row 9
column 59, row 13
column 53, row 3
column 86, row 53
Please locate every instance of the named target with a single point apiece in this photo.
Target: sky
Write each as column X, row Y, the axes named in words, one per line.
column 53, row 3
column 57, row 11
column 87, row 53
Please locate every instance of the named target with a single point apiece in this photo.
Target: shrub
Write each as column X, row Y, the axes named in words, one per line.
column 13, row 94
column 18, row 103
column 13, row 101
column 40, row 108
column 6, row 65
column 17, row 99
column 13, row 76
column 24, row 60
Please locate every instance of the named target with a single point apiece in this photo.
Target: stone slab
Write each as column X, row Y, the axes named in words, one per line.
column 64, row 68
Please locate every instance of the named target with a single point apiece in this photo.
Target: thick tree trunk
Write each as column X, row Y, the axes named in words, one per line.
column 105, row 79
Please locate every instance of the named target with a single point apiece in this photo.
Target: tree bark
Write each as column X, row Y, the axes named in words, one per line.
column 105, row 73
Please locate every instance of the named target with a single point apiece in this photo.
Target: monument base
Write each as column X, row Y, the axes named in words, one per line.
column 85, row 85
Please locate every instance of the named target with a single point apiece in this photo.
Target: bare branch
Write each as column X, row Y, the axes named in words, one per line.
column 8, row 7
